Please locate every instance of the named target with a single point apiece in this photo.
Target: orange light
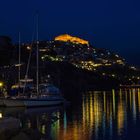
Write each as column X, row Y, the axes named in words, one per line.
column 72, row 39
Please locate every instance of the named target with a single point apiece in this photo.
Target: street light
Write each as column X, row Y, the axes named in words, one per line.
column 1, row 84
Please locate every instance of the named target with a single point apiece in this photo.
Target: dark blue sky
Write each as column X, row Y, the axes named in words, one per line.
column 111, row 24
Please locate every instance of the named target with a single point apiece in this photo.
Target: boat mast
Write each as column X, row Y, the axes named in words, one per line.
column 19, row 53
column 37, row 59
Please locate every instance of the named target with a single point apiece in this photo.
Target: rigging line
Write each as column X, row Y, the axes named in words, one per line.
column 29, row 59
column 28, row 64
column 19, row 61
column 37, row 55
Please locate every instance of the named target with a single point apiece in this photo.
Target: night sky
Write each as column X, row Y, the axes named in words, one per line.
column 111, row 24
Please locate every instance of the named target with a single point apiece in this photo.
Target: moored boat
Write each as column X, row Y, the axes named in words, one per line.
column 45, row 94
column 48, row 95
column 33, row 102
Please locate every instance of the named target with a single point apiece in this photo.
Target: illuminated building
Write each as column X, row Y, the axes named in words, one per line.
column 68, row 38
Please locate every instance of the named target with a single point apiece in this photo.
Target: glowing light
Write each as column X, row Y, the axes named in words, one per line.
column 72, row 39
column 108, row 64
column 133, row 68
column 1, row 84
column 0, row 115
column 120, row 116
column 42, row 50
column 113, row 75
column 113, row 93
column 18, row 65
column 28, row 48
column 120, row 62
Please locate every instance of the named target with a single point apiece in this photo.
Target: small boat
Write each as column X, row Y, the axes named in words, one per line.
column 33, row 102
column 49, row 95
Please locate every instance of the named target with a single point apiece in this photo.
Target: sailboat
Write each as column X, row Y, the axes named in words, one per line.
column 46, row 94
column 22, row 84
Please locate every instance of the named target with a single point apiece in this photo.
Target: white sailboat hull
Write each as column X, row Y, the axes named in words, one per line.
column 32, row 102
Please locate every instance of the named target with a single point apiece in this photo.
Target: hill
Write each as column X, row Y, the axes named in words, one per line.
column 74, row 63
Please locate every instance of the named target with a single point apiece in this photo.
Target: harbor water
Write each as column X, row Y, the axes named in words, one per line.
column 93, row 115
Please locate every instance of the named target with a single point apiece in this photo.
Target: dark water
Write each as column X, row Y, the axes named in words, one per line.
column 95, row 115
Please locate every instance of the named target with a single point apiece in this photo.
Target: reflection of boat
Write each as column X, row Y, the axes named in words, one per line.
column 1, row 101
column 15, row 111
column 35, row 121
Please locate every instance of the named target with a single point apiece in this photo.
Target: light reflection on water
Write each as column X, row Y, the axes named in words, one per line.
column 95, row 115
